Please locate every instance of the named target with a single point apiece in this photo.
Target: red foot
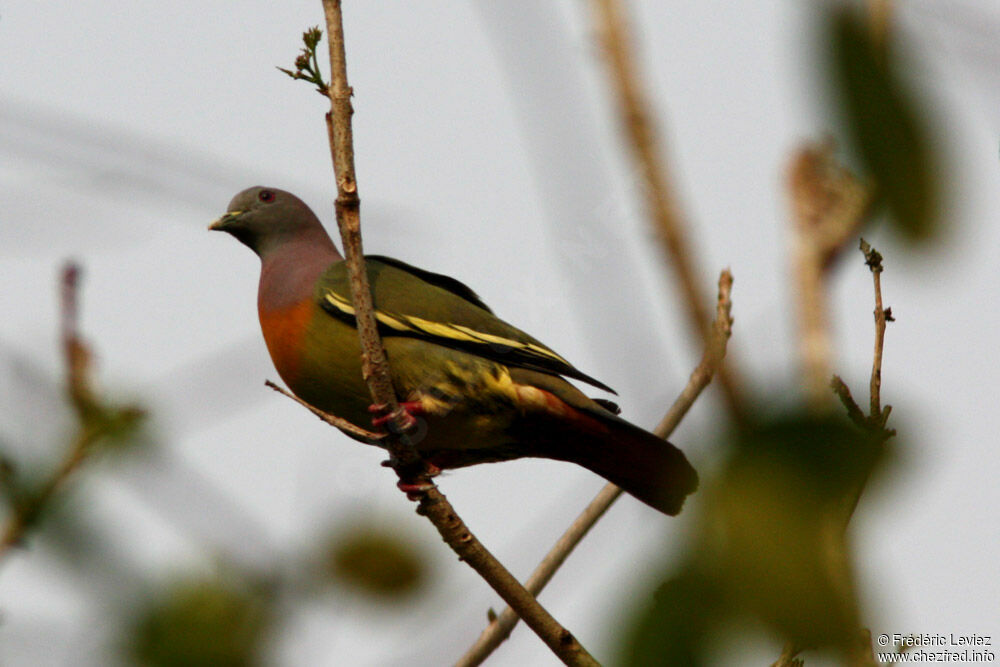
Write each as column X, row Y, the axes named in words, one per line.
column 410, row 410
column 414, row 491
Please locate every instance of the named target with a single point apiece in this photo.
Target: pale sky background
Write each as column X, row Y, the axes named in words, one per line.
column 486, row 149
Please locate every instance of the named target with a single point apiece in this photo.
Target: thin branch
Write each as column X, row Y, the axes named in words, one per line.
column 413, row 473
column 500, row 627
column 76, row 359
column 875, row 422
column 339, row 422
column 828, row 206
column 882, row 315
column 875, row 385
column 374, row 368
column 76, row 356
column 788, row 657
column 854, row 412
column 96, row 420
column 663, row 208
column 877, row 417
column 711, row 361
column 26, row 512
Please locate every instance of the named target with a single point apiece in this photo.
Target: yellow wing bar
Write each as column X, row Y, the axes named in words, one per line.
column 457, row 333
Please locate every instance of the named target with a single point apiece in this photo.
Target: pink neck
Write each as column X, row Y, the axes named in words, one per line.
column 289, row 272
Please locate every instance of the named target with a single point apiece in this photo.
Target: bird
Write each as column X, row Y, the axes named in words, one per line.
column 484, row 390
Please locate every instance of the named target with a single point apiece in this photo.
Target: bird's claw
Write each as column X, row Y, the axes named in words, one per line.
column 408, row 410
column 414, row 490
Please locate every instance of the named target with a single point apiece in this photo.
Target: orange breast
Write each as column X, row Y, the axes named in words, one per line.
column 284, row 332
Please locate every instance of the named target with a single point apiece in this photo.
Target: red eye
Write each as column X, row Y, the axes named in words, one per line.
column 265, row 196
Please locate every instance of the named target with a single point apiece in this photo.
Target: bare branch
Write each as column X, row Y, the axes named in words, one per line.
column 828, row 206
column 501, row 626
column 339, row 422
column 96, row 420
column 882, row 315
column 711, row 360
column 843, row 392
column 348, row 207
column 877, row 417
column 663, row 208
column 413, row 473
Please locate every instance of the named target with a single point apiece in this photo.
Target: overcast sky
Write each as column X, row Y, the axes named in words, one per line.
column 486, row 149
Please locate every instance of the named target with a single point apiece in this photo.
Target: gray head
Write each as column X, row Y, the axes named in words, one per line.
column 264, row 219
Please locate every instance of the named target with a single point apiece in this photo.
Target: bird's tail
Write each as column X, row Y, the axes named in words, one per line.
column 644, row 465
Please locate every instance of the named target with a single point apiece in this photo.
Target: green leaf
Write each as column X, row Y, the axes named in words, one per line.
column 379, row 563
column 207, row 623
column 769, row 550
column 885, row 127
column 678, row 627
column 777, row 518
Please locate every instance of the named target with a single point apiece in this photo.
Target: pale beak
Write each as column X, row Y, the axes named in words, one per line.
column 220, row 224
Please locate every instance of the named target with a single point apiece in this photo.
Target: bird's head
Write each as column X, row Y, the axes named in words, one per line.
column 263, row 218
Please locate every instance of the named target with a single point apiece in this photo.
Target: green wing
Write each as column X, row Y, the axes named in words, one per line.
column 438, row 279
column 420, row 304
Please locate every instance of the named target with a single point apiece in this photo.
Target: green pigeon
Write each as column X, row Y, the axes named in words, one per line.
column 480, row 389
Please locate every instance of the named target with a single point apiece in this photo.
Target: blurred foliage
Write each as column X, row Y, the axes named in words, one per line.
column 886, row 128
column 113, row 427
column 196, row 620
column 215, row 623
column 770, row 547
column 679, row 626
column 30, row 494
column 770, row 550
column 376, row 562
column 228, row 620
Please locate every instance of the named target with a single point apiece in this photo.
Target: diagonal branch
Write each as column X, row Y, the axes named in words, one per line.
column 97, row 420
column 411, row 470
column 337, row 422
column 500, row 627
column 663, row 209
